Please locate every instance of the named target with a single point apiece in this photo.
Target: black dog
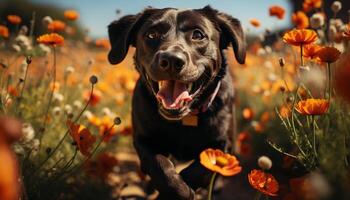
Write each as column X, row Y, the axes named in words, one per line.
column 182, row 103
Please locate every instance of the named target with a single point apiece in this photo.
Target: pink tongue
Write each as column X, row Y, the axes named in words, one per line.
column 172, row 93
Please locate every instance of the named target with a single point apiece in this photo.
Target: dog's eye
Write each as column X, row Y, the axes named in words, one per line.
column 152, row 35
column 197, row 35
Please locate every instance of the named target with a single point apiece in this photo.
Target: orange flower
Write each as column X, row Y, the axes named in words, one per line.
column 328, row 54
column 244, row 136
column 218, row 161
column 71, row 15
column 248, row 113
column 102, row 166
column 95, row 97
column 9, row 187
column 299, row 37
column 309, row 5
column 106, row 127
column 4, row 31
column 55, row 86
column 12, row 91
column 284, row 111
column 103, row 42
column 312, row 106
column 264, row 182
column 277, row 11
column 56, row 26
column 300, row 20
column 51, row 39
column 14, row 19
column 82, row 137
column 310, row 51
column 10, row 131
column 342, row 77
column 254, row 22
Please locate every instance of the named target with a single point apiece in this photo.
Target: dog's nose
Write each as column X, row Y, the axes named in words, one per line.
column 171, row 61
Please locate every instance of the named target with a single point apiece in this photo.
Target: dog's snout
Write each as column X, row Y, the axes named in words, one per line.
column 171, row 61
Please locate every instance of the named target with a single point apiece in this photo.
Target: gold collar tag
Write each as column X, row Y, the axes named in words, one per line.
column 190, row 120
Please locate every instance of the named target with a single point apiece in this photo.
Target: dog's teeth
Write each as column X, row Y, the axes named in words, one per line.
column 160, row 84
column 182, row 103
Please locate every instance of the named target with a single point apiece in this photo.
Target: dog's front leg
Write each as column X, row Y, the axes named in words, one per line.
column 196, row 176
column 163, row 175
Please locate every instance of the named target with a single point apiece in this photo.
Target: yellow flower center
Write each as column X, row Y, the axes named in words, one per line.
column 221, row 161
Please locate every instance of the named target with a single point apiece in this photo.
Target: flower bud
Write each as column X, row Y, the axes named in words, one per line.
column 265, row 163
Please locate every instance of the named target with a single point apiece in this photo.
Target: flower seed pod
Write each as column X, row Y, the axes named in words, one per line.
column 282, row 62
column 336, row 6
column 117, row 121
column 265, row 163
column 93, row 79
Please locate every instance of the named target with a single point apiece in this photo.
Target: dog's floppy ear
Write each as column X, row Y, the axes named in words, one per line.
column 122, row 34
column 231, row 32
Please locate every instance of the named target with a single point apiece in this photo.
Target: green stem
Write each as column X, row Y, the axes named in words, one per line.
column 66, row 133
column 211, row 185
column 301, row 56
column 314, row 134
column 329, row 82
column 257, row 196
column 51, row 94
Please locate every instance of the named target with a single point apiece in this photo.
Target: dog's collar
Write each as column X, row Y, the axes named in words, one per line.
column 192, row 118
column 207, row 103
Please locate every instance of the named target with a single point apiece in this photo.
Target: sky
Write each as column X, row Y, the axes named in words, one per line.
column 97, row 14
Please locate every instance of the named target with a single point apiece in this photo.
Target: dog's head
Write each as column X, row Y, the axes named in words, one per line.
column 178, row 51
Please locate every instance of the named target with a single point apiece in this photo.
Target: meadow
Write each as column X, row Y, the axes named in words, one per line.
column 65, row 120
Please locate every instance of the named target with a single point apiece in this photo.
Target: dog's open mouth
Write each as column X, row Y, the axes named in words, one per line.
column 174, row 97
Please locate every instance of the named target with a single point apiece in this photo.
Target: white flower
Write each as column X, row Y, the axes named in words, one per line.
column 338, row 23
column 23, row 30
column 68, row 109
column 16, row 47
column 267, row 93
column 47, row 20
column 56, row 111
column 77, row 104
column 336, row 6
column 268, row 49
column 18, row 149
column 69, row 70
column 87, row 114
column 317, row 20
column 28, row 132
column 332, row 32
column 268, row 64
column 44, row 48
column 272, row 77
column 106, row 111
column 57, row 97
column 265, row 162
column 261, row 52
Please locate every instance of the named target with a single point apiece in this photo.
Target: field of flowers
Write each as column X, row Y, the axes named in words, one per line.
column 65, row 121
